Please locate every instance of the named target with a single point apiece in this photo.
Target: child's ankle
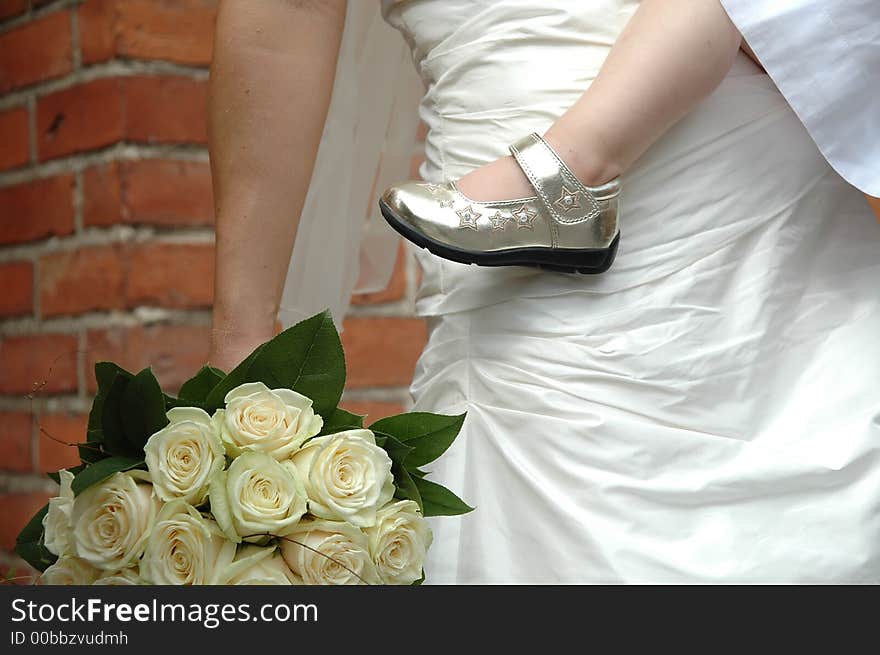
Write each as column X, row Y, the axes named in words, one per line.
column 588, row 165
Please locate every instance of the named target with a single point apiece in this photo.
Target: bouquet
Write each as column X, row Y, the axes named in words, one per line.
column 250, row 477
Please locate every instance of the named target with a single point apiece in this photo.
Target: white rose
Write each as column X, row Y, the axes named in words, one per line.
column 70, row 571
column 185, row 548
column 329, row 553
column 184, row 455
column 121, row 578
column 271, row 421
column 257, row 565
column 346, row 475
column 111, row 520
column 257, row 496
column 399, row 542
column 56, row 523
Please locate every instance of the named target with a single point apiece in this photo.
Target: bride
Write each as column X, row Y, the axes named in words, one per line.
column 708, row 410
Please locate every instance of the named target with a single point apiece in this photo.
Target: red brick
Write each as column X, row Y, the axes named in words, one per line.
column 145, row 108
column 17, row 282
column 373, row 409
column 167, row 109
column 42, row 364
column 383, row 351
column 14, row 137
column 160, row 192
column 10, row 8
column 35, row 210
column 171, row 275
column 35, row 51
column 77, row 281
column 175, row 352
column 102, row 195
column 55, row 431
column 17, row 510
column 180, row 31
column 396, row 286
column 83, row 117
column 16, row 429
column 150, row 192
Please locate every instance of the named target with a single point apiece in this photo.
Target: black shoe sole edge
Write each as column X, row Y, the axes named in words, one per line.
column 587, row 261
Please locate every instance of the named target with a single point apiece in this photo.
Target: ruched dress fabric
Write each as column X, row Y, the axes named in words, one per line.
column 708, row 411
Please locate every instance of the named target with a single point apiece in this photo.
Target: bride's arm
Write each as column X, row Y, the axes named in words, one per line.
column 271, row 80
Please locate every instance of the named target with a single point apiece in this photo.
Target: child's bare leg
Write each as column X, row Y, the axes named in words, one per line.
column 672, row 54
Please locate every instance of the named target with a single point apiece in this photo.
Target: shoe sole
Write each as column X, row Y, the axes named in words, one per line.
column 585, row 261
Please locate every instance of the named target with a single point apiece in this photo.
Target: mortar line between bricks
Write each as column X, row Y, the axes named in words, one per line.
column 113, row 68
column 142, row 316
column 120, row 151
column 76, row 53
column 35, row 443
column 78, row 202
column 82, row 346
column 55, row 404
column 112, row 235
column 22, row 483
column 31, row 105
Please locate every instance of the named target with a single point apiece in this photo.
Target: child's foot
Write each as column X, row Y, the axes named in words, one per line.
column 503, row 179
column 527, row 210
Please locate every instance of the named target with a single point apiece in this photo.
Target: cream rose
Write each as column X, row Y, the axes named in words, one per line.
column 257, row 496
column 185, row 548
column 259, row 565
column 56, row 523
column 399, row 542
column 329, row 553
column 112, row 519
column 271, row 421
column 70, row 571
column 184, row 455
column 346, row 475
column 122, row 578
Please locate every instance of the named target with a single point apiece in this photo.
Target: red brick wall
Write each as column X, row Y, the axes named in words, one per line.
column 106, row 237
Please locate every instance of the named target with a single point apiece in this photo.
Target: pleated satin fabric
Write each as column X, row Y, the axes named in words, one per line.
column 706, row 411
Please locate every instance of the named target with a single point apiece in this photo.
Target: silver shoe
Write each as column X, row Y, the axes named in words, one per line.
column 567, row 226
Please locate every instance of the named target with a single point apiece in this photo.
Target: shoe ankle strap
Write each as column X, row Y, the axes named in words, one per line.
column 562, row 194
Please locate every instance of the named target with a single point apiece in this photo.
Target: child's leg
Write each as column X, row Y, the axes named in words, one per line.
column 672, row 54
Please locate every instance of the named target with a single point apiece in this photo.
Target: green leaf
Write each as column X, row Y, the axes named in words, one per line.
column 200, row 385
column 437, row 500
column 29, row 543
column 405, row 488
column 143, row 409
column 75, row 469
column 113, row 419
column 419, row 581
column 102, row 470
column 341, row 420
column 307, row 358
column 428, row 434
column 105, row 374
column 91, row 450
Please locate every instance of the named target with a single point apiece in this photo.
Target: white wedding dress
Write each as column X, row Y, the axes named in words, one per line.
column 706, row 411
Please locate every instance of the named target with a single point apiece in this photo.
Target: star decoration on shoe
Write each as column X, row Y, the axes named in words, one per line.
column 499, row 221
column 568, row 200
column 525, row 217
column 468, row 218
